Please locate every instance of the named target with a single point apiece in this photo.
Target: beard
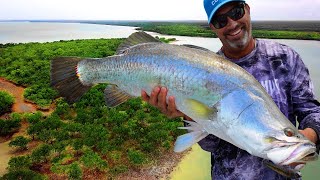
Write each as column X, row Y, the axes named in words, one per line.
column 241, row 43
column 244, row 41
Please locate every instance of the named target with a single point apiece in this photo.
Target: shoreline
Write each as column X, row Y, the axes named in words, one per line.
column 186, row 29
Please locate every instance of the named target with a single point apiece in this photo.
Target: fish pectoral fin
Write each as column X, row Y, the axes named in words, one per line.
column 115, row 96
column 135, row 39
column 200, row 110
column 185, row 141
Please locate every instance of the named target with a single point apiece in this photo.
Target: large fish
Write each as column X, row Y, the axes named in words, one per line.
column 221, row 97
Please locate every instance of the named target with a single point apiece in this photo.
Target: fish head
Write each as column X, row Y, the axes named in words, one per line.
column 290, row 146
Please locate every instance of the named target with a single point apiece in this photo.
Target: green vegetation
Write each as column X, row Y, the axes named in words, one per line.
column 6, row 101
column 179, row 29
column 9, row 127
column 20, row 142
column 85, row 136
column 75, row 171
column 286, row 35
column 22, row 174
column 40, row 94
column 19, row 168
column 201, row 30
column 19, row 162
column 29, row 64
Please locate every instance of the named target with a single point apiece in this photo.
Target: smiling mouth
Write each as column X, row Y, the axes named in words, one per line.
column 234, row 33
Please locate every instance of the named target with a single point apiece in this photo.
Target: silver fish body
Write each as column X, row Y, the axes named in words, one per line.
column 221, row 97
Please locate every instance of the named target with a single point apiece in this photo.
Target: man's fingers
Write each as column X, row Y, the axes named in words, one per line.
column 154, row 96
column 172, row 108
column 158, row 99
column 172, row 104
column 144, row 96
column 162, row 103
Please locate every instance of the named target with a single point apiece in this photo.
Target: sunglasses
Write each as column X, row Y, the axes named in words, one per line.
column 236, row 13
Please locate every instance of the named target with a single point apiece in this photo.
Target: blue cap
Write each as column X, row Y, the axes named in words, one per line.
column 212, row 6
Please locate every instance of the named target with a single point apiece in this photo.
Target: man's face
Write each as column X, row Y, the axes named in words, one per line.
column 236, row 35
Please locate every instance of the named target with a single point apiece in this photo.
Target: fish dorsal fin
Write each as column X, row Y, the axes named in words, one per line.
column 195, row 47
column 115, row 96
column 134, row 39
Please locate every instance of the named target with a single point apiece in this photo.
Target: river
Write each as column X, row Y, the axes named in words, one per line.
column 22, row 32
column 197, row 164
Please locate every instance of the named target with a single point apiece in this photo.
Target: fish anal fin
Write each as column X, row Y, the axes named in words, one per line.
column 115, row 96
column 185, row 141
column 134, row 39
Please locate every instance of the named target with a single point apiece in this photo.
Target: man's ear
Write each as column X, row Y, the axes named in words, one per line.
column 212, row 27
column 247, row 6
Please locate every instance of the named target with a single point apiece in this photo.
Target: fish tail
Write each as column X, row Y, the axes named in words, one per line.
column 64, row 78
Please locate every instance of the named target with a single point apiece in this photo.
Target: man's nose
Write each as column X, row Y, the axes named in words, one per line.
column 231, row 23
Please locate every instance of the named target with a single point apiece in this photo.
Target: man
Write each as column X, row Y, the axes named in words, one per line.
column 277, row 67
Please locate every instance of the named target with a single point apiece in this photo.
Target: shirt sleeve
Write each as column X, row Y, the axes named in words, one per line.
column 305, row 105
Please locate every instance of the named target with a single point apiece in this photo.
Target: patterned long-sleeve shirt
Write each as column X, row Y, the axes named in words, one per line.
column 282, row 73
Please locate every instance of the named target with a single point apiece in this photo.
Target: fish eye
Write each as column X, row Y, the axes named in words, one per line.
column 289, row 132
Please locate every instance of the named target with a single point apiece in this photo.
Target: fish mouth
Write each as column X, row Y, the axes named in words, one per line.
column 303, row 153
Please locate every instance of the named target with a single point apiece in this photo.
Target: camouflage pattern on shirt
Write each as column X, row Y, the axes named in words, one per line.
column 282, row 73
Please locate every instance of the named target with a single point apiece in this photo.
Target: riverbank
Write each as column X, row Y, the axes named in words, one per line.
column 49, row 31
column 302, row 30
column 203, row 31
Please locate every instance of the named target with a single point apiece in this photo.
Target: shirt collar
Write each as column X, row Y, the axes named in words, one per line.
column 248, row 57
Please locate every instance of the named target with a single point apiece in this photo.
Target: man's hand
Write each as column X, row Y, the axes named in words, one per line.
column 310, row 134
column 158, row 99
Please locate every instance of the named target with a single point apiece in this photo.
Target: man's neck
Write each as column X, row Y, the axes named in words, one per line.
column 239, row 53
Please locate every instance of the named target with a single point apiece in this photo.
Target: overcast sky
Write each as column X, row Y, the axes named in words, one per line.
column 149, row 9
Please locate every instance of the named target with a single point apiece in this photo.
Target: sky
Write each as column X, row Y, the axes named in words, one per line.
column 148, row 9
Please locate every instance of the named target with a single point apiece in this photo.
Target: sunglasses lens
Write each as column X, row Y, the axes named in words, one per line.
column 235, row 13
column 220, row 21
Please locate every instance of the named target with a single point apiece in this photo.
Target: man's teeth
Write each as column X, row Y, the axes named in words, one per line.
column 236, row 32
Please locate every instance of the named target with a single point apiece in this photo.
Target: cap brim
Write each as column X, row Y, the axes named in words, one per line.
column 218, row 6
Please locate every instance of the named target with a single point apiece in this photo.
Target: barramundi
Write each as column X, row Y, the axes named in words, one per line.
column 221, row 97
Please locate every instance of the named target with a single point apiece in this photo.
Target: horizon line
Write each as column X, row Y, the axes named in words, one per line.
column 31, row 20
